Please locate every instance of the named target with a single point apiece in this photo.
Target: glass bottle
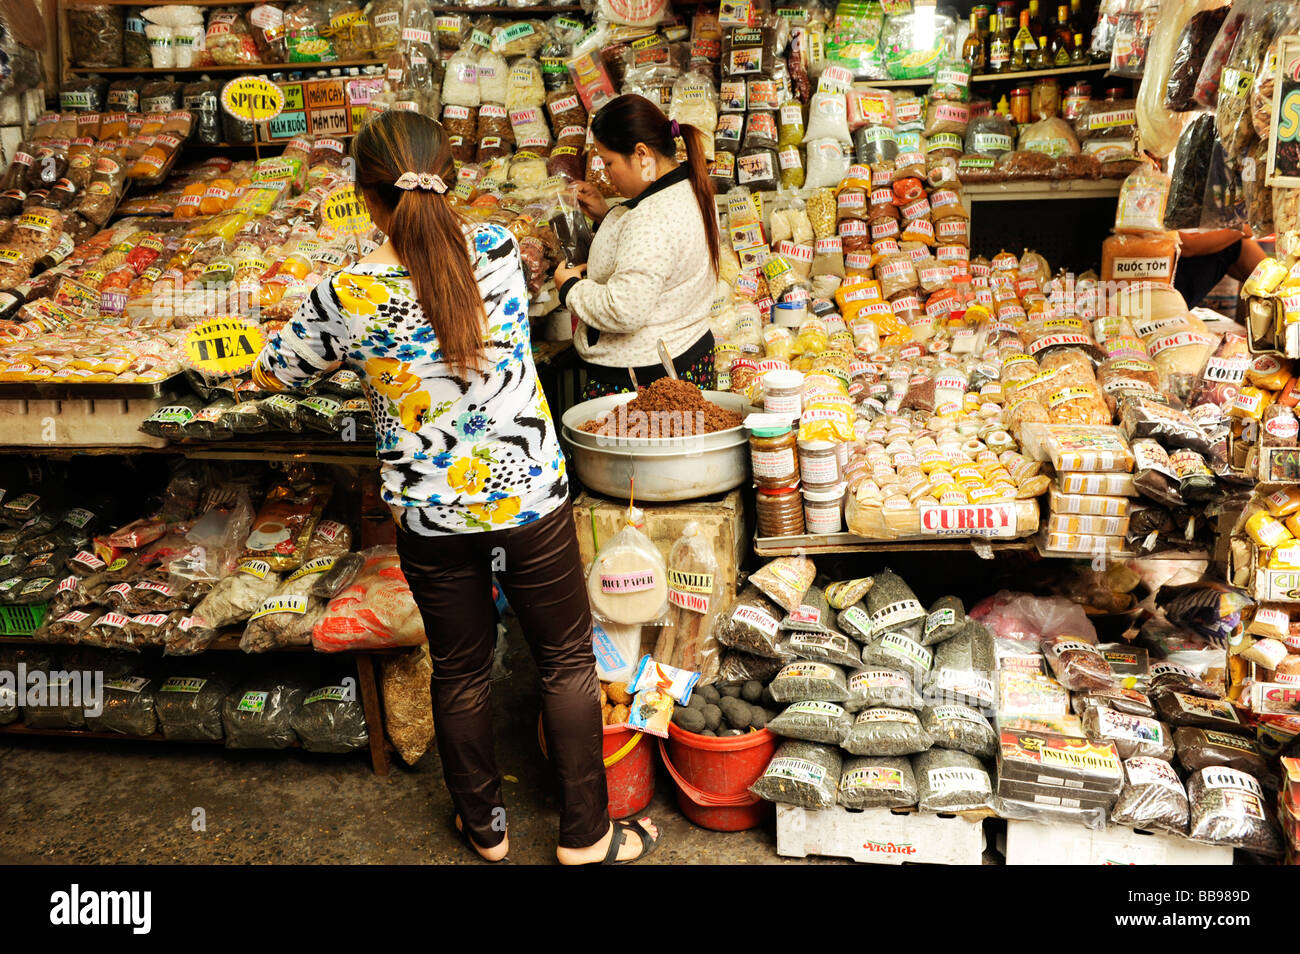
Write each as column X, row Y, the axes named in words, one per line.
column 1025, row 47
column 1080, row 55
column 999, row 45
column 1062, row 42
column 974, row 51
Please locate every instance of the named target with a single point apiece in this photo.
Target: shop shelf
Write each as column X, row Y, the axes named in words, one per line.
column 990, row 77
column 248, row 68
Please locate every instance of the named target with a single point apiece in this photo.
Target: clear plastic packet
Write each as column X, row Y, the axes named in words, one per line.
column 751, row 624
column 805, row 681
column 1142, row 201
column 877, row 782
column 1153, row 797
column 1132, row 735
column 1190, row 54
column 951, row 781
column 1077, row 665
column 804, row 774
column 695, row 592
column 1228, row 808
column 651, row 674
column 824, row 722
column 884, row 731
column 1189, row 173
column 786, row 580
column 628, row 579
column 960, row 727
column 947, row 618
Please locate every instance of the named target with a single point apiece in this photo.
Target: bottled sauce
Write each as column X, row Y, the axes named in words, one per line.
column 773, row 457
column 975, row 51
column 1080, row 55
column 1003, row 109
column 1061, row 45
column 1024, row 46
column 780, row 512
column 999, row 45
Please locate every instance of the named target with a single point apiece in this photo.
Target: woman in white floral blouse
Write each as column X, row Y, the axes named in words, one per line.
column 435, row 322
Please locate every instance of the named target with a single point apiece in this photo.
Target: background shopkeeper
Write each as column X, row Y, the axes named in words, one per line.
column 652, row 272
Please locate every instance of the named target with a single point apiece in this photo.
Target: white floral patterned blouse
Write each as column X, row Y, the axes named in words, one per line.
column 458, row 454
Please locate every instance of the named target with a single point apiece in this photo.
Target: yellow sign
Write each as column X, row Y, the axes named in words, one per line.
column 252, row 99
column 345, row 212
column 221, row 346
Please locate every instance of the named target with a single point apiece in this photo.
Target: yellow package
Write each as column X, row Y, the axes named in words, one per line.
column 1249, row 404
column 1268, row 372
column 813, row 338
column 777, row 342
column 857, row 177
column 827, row 420
column 1264, row 280
column 1284, row 502
column 842, row 342
column 1286, row 556
column 853, row 294
column 1266, row 531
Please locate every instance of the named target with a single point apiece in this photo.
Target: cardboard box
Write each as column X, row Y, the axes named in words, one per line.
column 879, row 836
column 1032, row 843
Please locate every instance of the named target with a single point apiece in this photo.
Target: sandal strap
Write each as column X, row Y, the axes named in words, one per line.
column 615, row 843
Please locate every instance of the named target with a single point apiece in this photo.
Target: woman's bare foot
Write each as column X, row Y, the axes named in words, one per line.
column 630, row 849
column 496, row 852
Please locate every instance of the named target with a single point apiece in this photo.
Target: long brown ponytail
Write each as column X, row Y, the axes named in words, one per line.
column 426, row 232
column 627, row 120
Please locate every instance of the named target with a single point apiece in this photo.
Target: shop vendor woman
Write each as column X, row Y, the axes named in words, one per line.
column 652, row 272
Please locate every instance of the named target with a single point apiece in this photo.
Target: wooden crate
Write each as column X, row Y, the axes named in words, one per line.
column 721, row 518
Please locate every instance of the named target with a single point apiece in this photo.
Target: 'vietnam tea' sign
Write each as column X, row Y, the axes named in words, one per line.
column 252, row 99
column 222, row 346
column 1284, row 128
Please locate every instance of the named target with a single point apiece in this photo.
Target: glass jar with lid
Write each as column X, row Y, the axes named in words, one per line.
column 780, row 512
column 773, row 457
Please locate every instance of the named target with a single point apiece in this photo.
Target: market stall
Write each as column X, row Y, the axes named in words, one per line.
column 948, row 341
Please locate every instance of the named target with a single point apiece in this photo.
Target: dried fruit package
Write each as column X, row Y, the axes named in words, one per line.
column 377, row 611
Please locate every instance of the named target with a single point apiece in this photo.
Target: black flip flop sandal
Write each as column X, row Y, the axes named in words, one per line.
column 469, row 843
column 621, row 830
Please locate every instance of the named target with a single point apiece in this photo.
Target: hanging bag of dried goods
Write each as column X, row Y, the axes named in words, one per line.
column 1190, row 54
column 695, row 595
column 1188, row 175
column 1142, row 201
column 1265, row 21
column 628, row 580
column 1159, row 126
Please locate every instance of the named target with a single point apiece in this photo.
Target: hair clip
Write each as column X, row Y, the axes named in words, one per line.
column 676, row 129
column 423, row 180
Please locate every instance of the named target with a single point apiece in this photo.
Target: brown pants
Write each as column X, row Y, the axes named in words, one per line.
column 540, row 570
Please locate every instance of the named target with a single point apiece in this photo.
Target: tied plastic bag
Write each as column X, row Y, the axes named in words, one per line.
column 330, row 720
column 695, row 595
column 877, row 782
column 628, row 580
column 258, row 714
column 801, row 773
column 376, row 611
column 1153, row 797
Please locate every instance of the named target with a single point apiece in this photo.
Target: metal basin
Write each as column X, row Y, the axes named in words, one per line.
column 663, row 468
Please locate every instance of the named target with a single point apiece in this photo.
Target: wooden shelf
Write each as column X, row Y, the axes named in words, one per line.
column 991, row 77
column 251, row 69
column 813, row 544
column 1022, row 191
column 503, row 9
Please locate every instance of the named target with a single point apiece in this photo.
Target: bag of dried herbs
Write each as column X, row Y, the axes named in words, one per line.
column 824, row 647
column 128, row 705
column 738, row 667
column 189, row 705
column 257, row 714
column 886, row 731
column 894, row 650
column 856, row 622
column 330, row 720
column 945, row 620
column 801, row 773
column 871, row 782
column 951, row 781
column 751, row 625
column 824, row 722
column 805, row 681
column 893, row 607
column 881, row 687
column 812, row 616
column 786, row 580
column 954, row 726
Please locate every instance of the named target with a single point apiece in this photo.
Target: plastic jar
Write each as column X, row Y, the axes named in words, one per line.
column 780, row 512
column 1076, row 97
column 819, row 465
column 790, row 314
column 783, row 393
column 1045, row 99
column 822, row 510
column 772, row 457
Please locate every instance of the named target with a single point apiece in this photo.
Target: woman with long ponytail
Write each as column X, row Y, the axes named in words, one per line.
column 435, row 322
column 653, row 268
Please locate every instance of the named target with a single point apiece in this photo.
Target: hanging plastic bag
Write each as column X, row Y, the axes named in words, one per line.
column 628, row 580
column 1158, row 126
column 695, row 592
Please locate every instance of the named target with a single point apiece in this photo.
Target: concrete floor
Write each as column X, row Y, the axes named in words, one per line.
column 93, row 802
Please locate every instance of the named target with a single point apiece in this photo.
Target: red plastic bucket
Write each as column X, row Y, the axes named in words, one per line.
column 629, row 769
column 713, row 776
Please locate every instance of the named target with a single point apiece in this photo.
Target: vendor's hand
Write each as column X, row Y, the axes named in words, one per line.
column 566, row 271
column 592, row 202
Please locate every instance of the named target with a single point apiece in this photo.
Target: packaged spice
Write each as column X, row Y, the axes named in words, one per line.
column 883, row 731
column 801, row 773
column 750, row 625
column 1227, row 808
column 96, row 34
column 695, row 595
column 1078, row 665
column 951, row 781
column 879, row 782
column 824, row 722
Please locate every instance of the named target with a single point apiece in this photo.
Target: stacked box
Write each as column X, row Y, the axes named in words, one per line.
column 1056, row 771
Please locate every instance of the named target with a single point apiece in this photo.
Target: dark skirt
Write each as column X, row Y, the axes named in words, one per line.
column 695, row 366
